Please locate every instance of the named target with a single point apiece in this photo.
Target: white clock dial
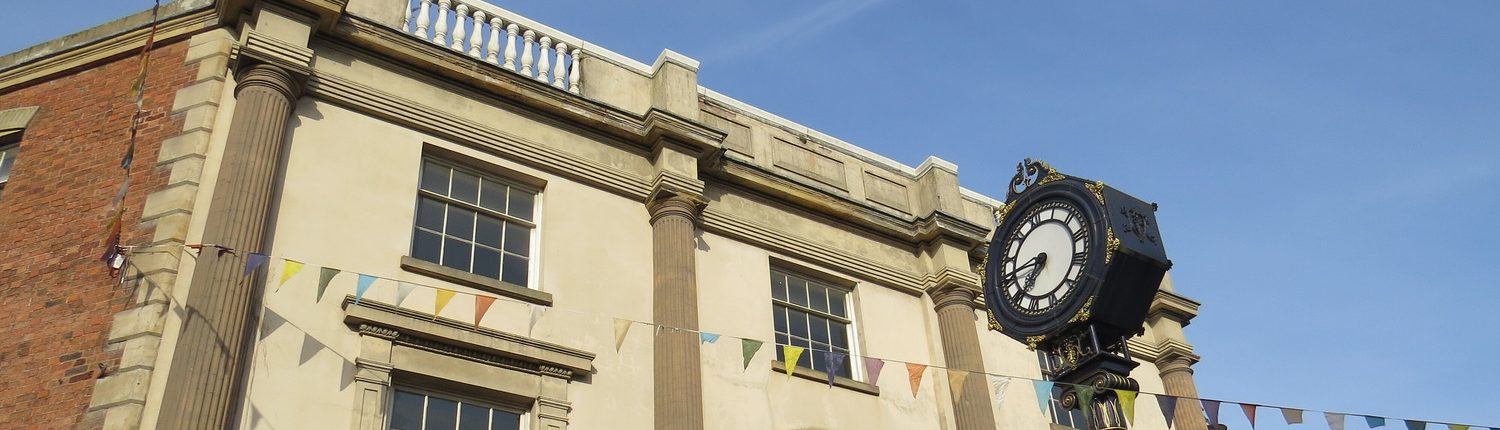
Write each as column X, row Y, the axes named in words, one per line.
column 1045, row 255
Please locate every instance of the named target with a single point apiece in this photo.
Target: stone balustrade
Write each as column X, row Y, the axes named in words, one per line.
column 500, row 37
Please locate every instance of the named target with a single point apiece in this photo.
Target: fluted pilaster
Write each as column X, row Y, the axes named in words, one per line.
column 1177, row 377
column 955, row 311
column 678, row 379
column 204, row 378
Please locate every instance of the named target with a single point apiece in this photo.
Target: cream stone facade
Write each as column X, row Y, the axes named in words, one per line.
column 659, row 201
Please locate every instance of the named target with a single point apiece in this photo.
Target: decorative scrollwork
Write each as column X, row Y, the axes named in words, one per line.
column 1112, row 244
column 994, row 324
column 1098, row 189
column 1030, row 173
column 1084, row 312
column 1140, row 225
column 1003, row 210
column 1033, row 341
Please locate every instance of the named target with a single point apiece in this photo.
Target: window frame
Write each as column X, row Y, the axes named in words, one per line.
column 390, row 404
column 506, row 178
column 851, row 322
column 8, row 147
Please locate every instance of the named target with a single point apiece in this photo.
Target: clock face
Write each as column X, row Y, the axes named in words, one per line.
column 1044, row 256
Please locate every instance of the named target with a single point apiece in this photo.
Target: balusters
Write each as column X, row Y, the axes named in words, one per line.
column 510, row 47
column 440, row 34
column 490, row 51
column 561, row 68
column 422, row 19
column 573, row 71
column 458, row 28
column 477, row 36
column 543, row 68
column 526, row 52
column 406, row 17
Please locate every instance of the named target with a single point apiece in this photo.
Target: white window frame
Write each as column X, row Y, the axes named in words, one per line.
column 849, row 288
column 534, row 248
column 390, row 403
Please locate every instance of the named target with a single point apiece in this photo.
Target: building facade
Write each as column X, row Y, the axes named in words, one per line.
column 440, row 214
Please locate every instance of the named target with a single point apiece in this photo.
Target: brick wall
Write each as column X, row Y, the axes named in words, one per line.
column 56, row 299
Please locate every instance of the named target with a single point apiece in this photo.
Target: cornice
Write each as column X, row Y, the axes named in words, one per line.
column 720, row 222
column 940, row 224
column 121, row 37
column 1172, row 305
column 442, row 335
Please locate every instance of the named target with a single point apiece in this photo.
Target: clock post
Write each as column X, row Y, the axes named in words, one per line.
column 1071, row 272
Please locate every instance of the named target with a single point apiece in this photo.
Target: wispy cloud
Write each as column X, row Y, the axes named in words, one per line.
column 804, row 25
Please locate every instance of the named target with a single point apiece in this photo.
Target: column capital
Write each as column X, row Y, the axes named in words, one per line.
column 269, row 76
column 687, row 206
column 951, row 287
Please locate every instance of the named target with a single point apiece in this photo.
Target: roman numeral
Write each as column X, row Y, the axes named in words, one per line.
column 1079, row 235
column 1069, row 218
column 1080, row 257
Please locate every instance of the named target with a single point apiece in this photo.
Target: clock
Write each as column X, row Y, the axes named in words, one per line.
column 1070, row 252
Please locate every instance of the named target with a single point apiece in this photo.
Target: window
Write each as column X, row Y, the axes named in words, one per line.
column 7, row 158
column 813, row 315
column 476, row 223
column 411, row 410
column 1071, row 418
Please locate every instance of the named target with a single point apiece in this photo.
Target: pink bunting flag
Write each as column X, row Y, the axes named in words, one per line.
column 481, row 305
column 872, row 370
column 1249, row 413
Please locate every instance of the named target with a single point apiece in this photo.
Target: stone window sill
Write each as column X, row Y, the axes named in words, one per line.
column 425, row 268
column 822, row 378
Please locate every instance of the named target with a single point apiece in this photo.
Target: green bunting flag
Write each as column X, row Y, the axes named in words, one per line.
column 1335, row 421
column 362, row 286
column 1458, row 427
column 1043, row 394
column 1085, row 400
column 1416, row 425
column 792, row 354
column 1127, row 404
column 748, row 348
column 325, row 275
column 1249, row 413
column 1373, row 422
column 872, row 369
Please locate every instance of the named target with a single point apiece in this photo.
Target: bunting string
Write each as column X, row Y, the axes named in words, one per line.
column 751, row 347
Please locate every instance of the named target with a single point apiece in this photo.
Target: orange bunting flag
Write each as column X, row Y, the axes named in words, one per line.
column 792, row 353
column 481, row 305
column 443, row 297
column 914, row 374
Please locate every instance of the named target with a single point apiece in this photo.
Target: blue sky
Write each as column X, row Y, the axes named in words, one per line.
column 1325, row 169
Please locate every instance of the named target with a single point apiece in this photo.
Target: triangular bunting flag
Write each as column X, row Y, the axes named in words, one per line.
column 706, row 337
column 289, row 269
column 362, row 287
column 269, row 322
column 1335, row 421
column 1127, row 404
column 1168, row 406
column 1211, row 407
column 253, row 261
column 748, row 348
column 998, row 385
column 914, row 375
column 481, row 305
column 1416, row 425
column 1085, row 395
column 1043, row 394
column 792, row 354
column 835, row 361
column 1458, row 427
column 956, row 383
column 872, row 370
column 325, row 275
column 536, row 317
column 1292, row 416
column 403, row 289
column 1373, row 422
column 621, row 328
column 1249, row 413
column 443, row 297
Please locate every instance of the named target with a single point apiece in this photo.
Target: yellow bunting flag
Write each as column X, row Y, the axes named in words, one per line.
column 956, row 383
column 914, row 374
column 1458, row 427
column 288, row 269
column 443, row 297
column 792, row 353
column 1127, row 404
column 481, row 305
column 621, row 328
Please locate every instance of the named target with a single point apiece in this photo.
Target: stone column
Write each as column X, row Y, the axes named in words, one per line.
column 955, row 311
column 1177, row 377
column 678, row 378
column 203, row 382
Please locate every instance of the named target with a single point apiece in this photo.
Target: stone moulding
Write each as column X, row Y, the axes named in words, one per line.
column 449, row 337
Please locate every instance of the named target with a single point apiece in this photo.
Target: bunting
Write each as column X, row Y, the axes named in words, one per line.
column 289, row 269
column 706, row 337
column 834, row 360
column 621, row 328
column 1292, row 416
column 536, row 317
column 1249, row 413
column 1335, row 421
column 914, row 376
column 403, row 289
column 956, row 383
column 748, row 348
column 443, row 297
column 481, row 306
column 872, row 369
column 1373, row 422
column 253, row 261
column 1127, row 404
column 1211, row 407
column 998, row 385
column 1043, row 393
column 1457, row 427
column 792, row 354
column 325, row 275
column 1168, row 406
column 362, row 287
column 1416, row 425
column 1085, row 395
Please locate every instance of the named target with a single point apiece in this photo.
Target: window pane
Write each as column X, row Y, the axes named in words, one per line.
column 435, row 178
column 846, row 369
column 427, row 246
column 7, row 158
column 798, row 322
column 456, row 254
column 520, row 204
column 486, row 262
column 492, row 196
column 836, row 303
column 796, row 291
column 472, row 417
column 838, row 334
column 460, row 223
column 514, row 270
column 430, row 214
column 406, row 411
column 517, row 239
column 817, row 297
column 441, row 414
column 778, row 314
column 815, row 359
column 488, row 231
column 465, row 187
column 505, row 420
column 819, row 327
column 778, row 286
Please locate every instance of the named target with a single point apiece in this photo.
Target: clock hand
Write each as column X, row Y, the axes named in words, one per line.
column 1041, row 261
